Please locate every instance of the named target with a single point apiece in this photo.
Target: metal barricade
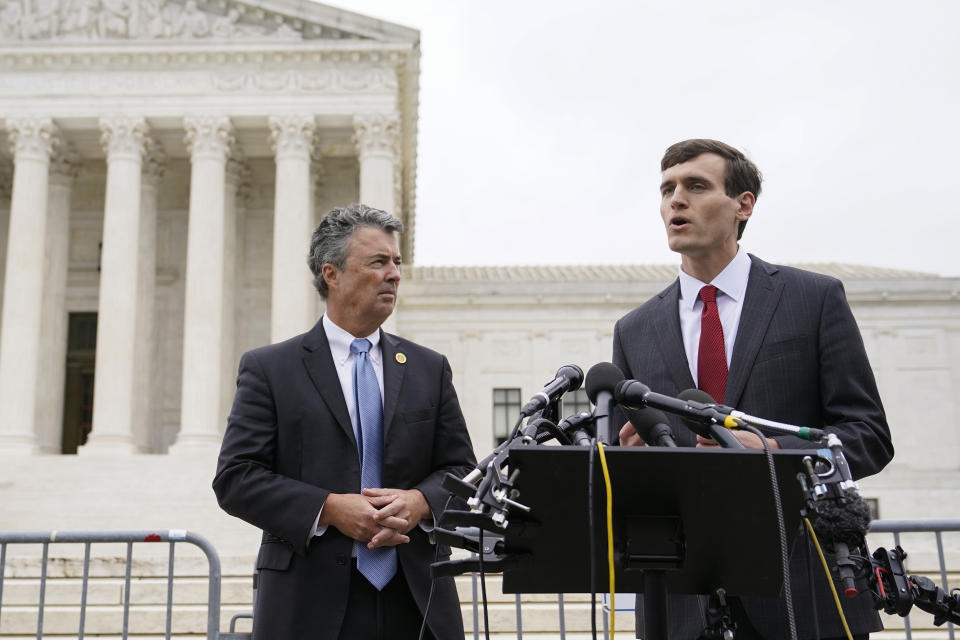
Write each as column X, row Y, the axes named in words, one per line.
column 88, row 538
column 937, row 528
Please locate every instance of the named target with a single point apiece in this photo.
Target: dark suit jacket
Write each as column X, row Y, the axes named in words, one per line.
column 798, row 358
column 289, row 443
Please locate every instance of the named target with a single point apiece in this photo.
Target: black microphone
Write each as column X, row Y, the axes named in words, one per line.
column 602, row 379
column 569, row 378
column 651, row 425
column 575, row 427
column 712, row 430
column 841, row 524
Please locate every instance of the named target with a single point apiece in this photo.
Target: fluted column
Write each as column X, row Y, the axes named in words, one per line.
column 145, row 361
column 114, row 385
column 209, row 140
column 292, row 306
column 377, row 137
column 237, row 172
column 32, row 141
column 64, row 167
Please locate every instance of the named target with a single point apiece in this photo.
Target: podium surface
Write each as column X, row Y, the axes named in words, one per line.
column 706, row 517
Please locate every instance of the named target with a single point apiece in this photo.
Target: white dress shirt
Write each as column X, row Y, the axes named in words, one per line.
column 340, row 341
column 731, row 284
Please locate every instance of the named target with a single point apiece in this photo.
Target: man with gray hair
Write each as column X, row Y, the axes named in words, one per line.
column 336, row 447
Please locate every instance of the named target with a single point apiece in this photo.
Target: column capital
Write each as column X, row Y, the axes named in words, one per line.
column 209, row 135
column 154, row 162
column 123, row 135
column 238, row 176
column 377, row 134
column 292, row 134
column 37, row 137
column 6, row 178
column 65, row 164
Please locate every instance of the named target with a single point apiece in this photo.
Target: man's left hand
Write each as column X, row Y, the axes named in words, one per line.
column 407, row 504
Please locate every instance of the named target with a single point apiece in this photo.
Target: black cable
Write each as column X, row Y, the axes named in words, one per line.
column 433, row 581
column 781, row 530
column 483, row 590
column 593, row 542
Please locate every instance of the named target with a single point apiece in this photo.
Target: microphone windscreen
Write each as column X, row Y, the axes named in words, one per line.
column 602, row 376
column 644, row 420
column 697, row 395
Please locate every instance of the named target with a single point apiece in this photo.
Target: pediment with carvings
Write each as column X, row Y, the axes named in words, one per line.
column 66, row 21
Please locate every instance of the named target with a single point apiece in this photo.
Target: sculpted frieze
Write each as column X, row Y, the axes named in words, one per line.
column 95, row 20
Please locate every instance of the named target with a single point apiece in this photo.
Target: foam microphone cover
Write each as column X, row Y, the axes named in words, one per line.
column 602, row 376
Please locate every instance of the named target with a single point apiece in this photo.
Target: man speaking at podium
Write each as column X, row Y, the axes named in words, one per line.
column 772, row 341
column 316, row 419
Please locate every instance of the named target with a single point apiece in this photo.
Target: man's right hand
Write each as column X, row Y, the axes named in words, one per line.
column 353, row 515
column 629, row 437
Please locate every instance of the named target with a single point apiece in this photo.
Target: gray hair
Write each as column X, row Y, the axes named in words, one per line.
column 331, row 239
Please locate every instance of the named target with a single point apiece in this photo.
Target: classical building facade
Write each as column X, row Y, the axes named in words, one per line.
column 161, row 166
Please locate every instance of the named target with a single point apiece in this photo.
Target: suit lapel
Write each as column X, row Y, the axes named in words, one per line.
column 760, row 301
column 323, row 374
column 393, row 370
column 669, row 338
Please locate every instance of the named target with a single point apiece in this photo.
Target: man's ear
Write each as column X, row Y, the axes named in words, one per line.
column 331, row 275
column 745, row 202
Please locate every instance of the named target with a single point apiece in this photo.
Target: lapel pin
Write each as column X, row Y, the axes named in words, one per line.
column 401, row 358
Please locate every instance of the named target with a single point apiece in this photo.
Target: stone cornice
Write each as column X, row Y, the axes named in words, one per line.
column 59, row 56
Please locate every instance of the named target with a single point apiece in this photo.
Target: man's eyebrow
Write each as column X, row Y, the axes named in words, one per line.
column 667, row 183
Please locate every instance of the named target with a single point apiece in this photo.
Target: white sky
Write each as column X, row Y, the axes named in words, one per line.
column 542, row 125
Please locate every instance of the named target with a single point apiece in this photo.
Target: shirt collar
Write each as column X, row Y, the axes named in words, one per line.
column 732, row 281
column 340, row 340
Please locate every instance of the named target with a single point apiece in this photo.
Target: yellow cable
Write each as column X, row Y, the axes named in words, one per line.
column 606, row 481
column 826, row 569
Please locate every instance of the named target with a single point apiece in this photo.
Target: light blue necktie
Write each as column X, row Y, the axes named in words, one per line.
column 377, row 565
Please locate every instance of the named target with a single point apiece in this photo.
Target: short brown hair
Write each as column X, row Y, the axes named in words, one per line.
column 741, row 175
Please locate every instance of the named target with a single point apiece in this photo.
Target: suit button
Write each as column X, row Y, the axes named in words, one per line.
column 341, row 559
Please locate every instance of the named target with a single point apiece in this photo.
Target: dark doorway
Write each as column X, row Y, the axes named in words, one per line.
column 78, row 393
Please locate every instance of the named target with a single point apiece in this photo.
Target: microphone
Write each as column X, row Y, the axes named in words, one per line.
column 841, row 524
column 718, row 432
column 569, row 378
column 575, row 427
column 602, row 379
column 651, row 425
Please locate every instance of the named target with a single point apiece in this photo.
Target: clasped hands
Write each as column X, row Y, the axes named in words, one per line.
column 379, row 517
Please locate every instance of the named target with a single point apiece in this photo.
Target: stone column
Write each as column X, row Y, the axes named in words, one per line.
column 64, row 167
column 237, row 173
column 292, row 306
column 32, row 141
column 209, row 140
column 377, row 137
column 145, row 361
column 114, row 385
column 318, row 177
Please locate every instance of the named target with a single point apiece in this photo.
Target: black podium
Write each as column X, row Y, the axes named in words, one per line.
column 684, row 520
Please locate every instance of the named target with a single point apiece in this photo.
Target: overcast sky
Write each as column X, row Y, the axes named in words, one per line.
column 542, row 125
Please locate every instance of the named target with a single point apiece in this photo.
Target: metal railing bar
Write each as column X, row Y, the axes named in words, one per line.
column 516, row 599
column 170, row 591
column 126, row 591
column 3, row 569
column 83, row 590
column 943, row 575
column 914, row 526
column 43, row 588
column 476, row 609
column 563, row 622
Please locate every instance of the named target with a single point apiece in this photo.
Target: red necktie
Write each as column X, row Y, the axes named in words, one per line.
column 712, row 358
